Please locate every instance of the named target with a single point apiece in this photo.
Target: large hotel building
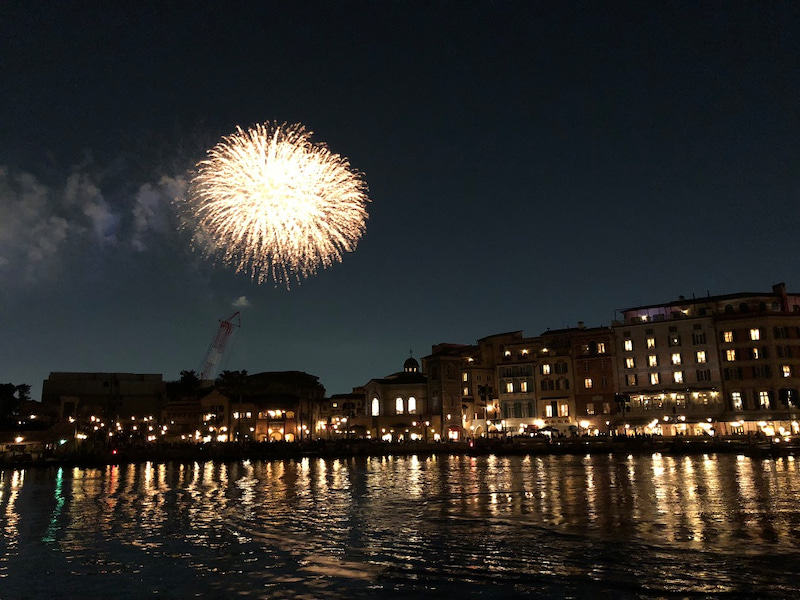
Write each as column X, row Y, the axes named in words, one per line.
column 716, row 365
column 723, row 365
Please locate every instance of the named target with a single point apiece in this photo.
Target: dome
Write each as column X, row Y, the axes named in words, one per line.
column 411, row 366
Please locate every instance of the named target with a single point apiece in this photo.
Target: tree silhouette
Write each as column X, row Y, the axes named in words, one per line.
column 189, row 383
column 232, row 383
column 9, row 403
column 231, row 380
column 23, row 392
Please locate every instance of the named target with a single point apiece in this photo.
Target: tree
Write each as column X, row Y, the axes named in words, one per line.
column 231, row 383
column 9, row 403
column 189, row 382
column 23, row 392
column 231, row 380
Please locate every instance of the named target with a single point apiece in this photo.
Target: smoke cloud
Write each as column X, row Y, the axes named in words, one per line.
column 40, row 224
column 241, row 302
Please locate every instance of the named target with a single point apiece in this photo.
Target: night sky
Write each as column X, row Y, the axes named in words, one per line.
column 530, row 165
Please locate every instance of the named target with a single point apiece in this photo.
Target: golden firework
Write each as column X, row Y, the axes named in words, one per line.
column 271, row 203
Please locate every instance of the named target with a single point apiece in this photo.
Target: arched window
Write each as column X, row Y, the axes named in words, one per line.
column 398, row 405
column 376, row 407
column 412, row 405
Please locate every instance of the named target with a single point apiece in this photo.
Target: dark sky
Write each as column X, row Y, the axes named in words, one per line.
column 530, row 165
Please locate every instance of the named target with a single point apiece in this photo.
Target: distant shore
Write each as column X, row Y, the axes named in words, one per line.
column 749, row 446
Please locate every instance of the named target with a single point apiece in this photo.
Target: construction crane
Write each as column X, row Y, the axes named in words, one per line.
column 208, row 370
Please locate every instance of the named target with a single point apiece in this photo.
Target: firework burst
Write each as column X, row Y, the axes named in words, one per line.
column 271, row 203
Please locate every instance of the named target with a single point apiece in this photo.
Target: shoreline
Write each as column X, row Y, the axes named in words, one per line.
column 105, row 456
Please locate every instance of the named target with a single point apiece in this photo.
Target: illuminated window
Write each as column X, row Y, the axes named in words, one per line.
column 727, row 336
column 653, row 378
column 545, row 369
column 755, row 334
column 523, row 386
column 651, row 342
column 548, row 410
column 507, row 353
column 730, row 355
column 676, row 358
column 464, row 376
column 700, row 355
column 412, row 405
column 465, row 391
column 398, row 406
column 601, row 348
column 509, row 387
column 763, row 399
column 587, row 383
column 756, row 354
column 677, row 377
column 736, row 400
column 630, row 362
column 563, row 409
column 652, row 360
column 787, row 370
column 628, row 345
column 630, row 380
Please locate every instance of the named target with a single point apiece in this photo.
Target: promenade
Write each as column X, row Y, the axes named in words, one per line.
column 216, row 451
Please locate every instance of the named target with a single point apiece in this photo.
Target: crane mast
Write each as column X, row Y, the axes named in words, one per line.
column 217, row 348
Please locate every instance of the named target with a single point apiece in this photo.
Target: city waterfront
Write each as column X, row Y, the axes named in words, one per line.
column 435, row 526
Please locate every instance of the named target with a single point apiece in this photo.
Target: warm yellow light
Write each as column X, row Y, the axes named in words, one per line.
column 270, row 202
column 19, row 439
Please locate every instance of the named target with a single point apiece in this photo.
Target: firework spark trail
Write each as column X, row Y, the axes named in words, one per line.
column 276, row 205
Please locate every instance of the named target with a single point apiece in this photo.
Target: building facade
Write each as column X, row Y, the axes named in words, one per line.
column 396, row 407
column 111, row 396
column 714, row 365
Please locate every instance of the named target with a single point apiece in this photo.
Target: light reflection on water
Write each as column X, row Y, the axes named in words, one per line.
column 649, row 526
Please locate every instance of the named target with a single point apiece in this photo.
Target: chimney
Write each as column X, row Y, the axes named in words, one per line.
column 779, row 289
column 581, row 325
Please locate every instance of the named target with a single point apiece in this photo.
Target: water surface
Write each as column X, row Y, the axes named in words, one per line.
column 545, row 526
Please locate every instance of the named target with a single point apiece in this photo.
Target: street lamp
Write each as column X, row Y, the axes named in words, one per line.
column 788, row 398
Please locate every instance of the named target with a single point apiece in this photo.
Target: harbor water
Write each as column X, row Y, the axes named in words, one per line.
column 651, row 526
